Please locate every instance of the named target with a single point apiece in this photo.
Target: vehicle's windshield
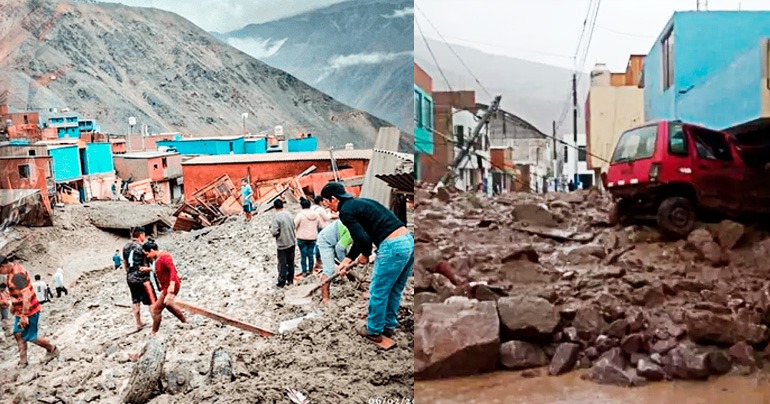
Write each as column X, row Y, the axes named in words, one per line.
column 636, row 144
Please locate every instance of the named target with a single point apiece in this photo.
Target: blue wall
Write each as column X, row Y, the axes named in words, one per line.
column 73, row 132
column 255, row 146
column 66, row 163
column 717, row 69
column 303, row 145
column 206, row 146
column 99, row 158
column 423, row 121
column 88, row 126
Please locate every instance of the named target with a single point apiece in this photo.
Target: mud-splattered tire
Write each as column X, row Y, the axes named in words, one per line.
column 676, row 217
column 618, row 214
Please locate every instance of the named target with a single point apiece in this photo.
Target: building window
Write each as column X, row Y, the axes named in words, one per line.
column 582, row 153
column 668, row 60
column 155, row 166
column 164, row 162
column 24, row 171
column 231, row 149
column 460, row 135
column 417, row 109
column 26, row 120
column 31, row 152
column 566, row 154
column 427, row 113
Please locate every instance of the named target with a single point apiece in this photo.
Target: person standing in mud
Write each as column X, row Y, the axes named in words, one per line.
column 26, row 309
column 168, row 283
column 58, row 282
column 333, row 243
column 306, row 225
column 326, row 217
column 137, row 273
column 246, row 194
column 282, row 228
column 371, row 223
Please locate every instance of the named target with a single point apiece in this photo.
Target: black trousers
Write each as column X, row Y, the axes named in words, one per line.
column 286, row 266
column 60, row 290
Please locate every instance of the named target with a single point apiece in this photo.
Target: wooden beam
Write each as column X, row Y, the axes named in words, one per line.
column 223, row 318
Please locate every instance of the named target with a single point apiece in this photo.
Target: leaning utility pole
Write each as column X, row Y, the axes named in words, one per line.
column 574, row 123
column 448, row 178
column 555, row 159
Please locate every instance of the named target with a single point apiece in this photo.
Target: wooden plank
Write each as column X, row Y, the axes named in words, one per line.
column 223, row 318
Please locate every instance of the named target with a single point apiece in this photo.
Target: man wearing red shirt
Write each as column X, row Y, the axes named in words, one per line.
column 168, row 282
column 26, row 308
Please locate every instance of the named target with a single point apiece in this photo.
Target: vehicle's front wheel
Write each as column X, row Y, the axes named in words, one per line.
column 676, row 217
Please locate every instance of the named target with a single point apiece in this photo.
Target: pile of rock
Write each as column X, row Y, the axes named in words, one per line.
column 622, row 302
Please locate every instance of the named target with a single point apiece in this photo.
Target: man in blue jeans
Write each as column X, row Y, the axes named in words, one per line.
column 371, row 223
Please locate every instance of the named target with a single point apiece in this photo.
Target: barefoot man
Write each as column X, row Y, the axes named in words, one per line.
column 26, row 309
column 168, row 282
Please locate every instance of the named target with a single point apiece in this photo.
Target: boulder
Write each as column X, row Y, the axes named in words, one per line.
column 457, row 338
column 633, row 343
column 663, row 346
column 564, row 358
column 534, row 215
column 718, row 363
column 618, row 328
column 728, row 233
column 650, row 370
column 527, row 317
column 685, row 364
column 714, row 254
column 521, row 355
column 604, row 343
column 589, row 322
column 649, row 296
column 705, row 327
column 742, row 354
column 586, row 254
column 605, row 371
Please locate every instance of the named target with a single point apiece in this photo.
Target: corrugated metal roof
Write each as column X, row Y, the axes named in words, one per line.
column 145, row 154
column 402, row 182
column 207, row 138
column 278, row 157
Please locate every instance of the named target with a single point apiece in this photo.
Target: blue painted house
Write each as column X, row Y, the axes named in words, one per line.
column 65, row 162
column 711, row 68
column 66, row 126
column 308, row 144
column 96, row 158
column 255, row 146
column 207, row 145
column 423, row 120
column 88, row 125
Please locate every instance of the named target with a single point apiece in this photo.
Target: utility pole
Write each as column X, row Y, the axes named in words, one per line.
column 555, row 159
column 574, row 123
column 448, row 178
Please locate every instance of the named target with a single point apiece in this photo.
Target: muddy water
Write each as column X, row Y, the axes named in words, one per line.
column 510, row 387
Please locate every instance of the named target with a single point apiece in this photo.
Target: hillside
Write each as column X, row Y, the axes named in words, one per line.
column 109, row 62
column 534, row 91
column 360, row 52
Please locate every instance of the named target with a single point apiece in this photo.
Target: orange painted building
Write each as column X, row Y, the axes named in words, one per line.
column 26, row 172
column 154, row 173
column 200, row 171
column 24, row 125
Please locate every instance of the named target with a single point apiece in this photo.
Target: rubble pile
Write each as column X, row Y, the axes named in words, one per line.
column 230, row 269
column 553, row 284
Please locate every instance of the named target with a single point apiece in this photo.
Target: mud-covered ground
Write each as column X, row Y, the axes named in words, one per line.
column 229, row 269
column 566, row 290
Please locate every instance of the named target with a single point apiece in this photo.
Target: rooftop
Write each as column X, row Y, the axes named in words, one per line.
column 191, row 139
column 365, row 154
column 146, row 154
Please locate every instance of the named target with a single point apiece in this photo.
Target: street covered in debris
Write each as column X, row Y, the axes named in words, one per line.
column 548, row 287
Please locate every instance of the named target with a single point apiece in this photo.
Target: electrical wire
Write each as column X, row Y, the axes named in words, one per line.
column 452, row 49
column 438, row 66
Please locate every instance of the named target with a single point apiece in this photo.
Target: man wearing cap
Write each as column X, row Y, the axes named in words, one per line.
column 371, row 223
column 137, row 273
column 26, row 309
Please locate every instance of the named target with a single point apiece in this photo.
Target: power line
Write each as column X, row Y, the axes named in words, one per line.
column 438, row 66
column 452, row 49
column 583, row 30
column 625, row 33
column 590, row 37
column 558, row 55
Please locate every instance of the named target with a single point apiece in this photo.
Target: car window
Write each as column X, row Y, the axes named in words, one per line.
column 636, row 144
column 677, row 140
column 711, row 145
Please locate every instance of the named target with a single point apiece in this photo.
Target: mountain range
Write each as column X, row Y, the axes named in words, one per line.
column 109, row 62
column 536, row 92
column 359, row 52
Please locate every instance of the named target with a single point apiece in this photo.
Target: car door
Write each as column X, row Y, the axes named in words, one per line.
column 716, row 173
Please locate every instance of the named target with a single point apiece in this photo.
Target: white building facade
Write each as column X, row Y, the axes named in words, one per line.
column 475, row 168
column 575, row 163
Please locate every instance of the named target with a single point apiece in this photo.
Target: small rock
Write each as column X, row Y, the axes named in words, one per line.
column 605, row 371
column 604, row 343
column 570, row 334
column 663, row 346
column 589, row 322
column 649, row 296
column 650, row 370
column 591, row 353
column 686, row 364
column 564, row 358
column 728, row 233
column 618, row 328
column 633, row 343
column 742, row 354
column 530, row 373
column 521, row 355
column 91, row 395
column 635, row 358
column 718, row 363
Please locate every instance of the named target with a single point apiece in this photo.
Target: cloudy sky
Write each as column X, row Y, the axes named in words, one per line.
column 228, row 15
column 548, row 30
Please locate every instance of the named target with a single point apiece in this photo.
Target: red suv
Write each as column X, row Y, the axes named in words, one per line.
column 669, row 171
